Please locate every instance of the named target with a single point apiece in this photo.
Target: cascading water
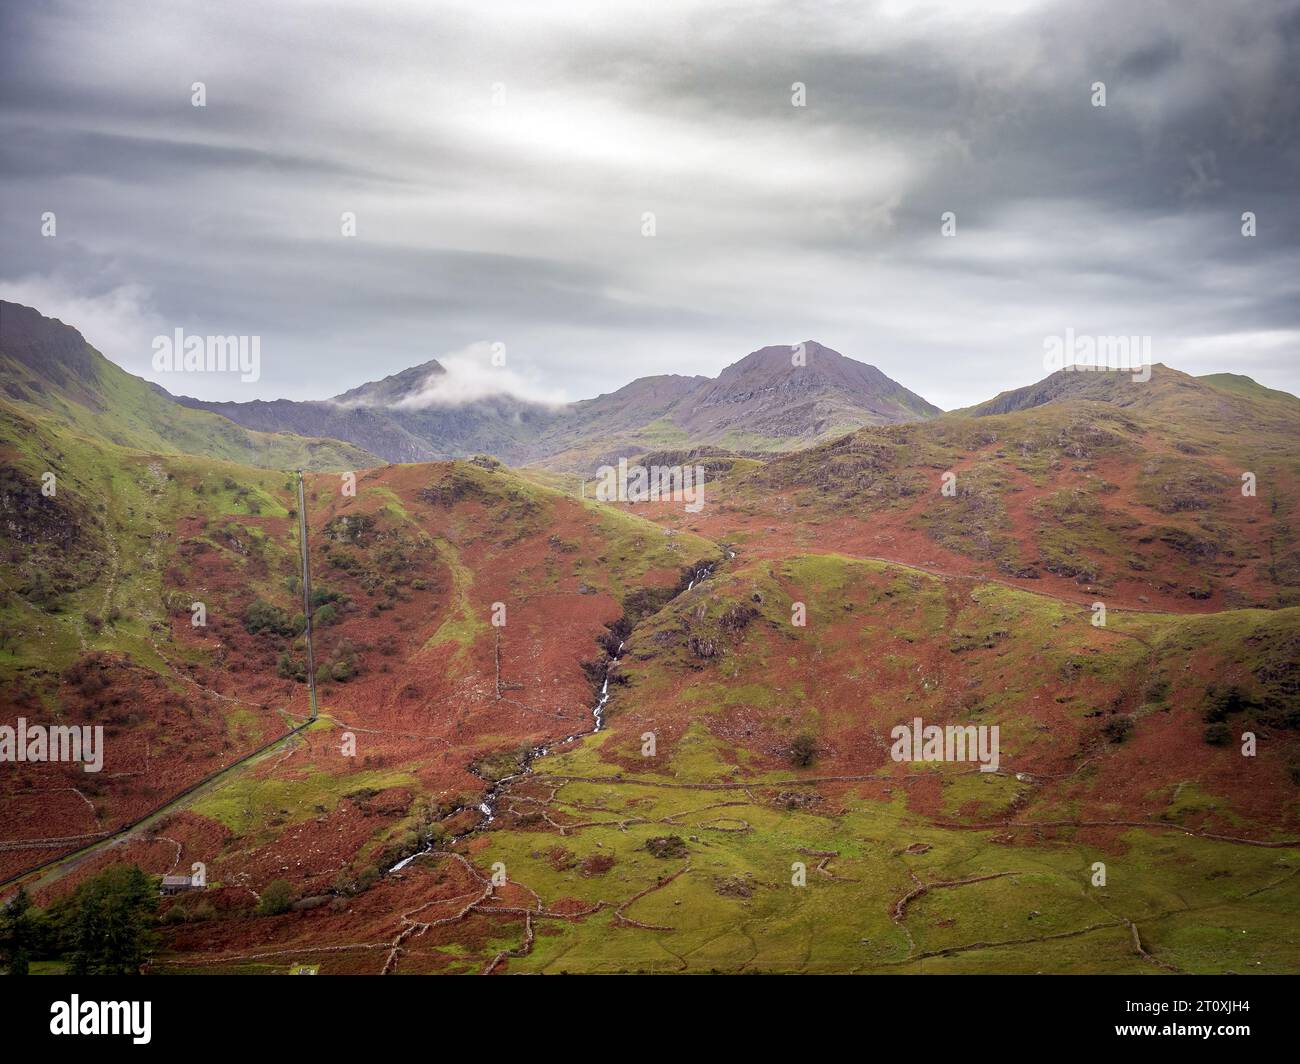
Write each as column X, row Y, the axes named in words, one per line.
column 487, row 807
column 703, row 573
column 598, row 713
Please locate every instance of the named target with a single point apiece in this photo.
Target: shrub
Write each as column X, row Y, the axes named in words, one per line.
column 665, row 846
column 1280, row 711
column 803, row 750
column 290, row 668
column 41, row 590
column 185, row 912
column 341, row 559
column 321, row 595
column 261, row 616
column 1221, row 703
column 1218, row 734
column 276, row 898
column 341, row 665
column 1117, row 729
column 357, row 529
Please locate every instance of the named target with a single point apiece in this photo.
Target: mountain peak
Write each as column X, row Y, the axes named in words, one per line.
column 48, row 347
column 393, row 388
column 810, row 366
column 797, row 393
column 781, row 357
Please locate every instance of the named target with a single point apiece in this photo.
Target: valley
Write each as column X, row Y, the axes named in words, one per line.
column 562, row 734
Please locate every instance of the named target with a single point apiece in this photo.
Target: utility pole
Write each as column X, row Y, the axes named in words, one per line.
column 306, row 590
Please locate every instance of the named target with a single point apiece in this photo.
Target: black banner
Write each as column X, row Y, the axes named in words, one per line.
column 1034, row 1014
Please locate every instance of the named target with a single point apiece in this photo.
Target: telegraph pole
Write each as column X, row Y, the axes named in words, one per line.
column 306, row 590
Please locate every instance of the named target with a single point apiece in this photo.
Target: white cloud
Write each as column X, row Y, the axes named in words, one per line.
column 519, row 218
column 471, row 376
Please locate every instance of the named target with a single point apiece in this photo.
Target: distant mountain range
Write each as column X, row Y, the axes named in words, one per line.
column 769, row 401
column 764, row 402
column 369, row 417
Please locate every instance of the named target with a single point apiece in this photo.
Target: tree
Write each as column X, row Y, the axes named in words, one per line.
column 18, row 933
column 276, row 898
column 1222, row 702
column 291, row 668
column 262, row 616
column 107, row 922
column 803, row 750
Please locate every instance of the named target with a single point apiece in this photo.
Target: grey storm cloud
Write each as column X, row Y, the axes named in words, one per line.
column 499, row 163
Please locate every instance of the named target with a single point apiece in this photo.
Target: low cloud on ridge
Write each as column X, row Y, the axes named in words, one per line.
column 471, row 377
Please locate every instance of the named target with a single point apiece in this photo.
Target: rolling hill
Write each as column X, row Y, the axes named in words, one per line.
column 49, row 370
column 1137, row 497
column 558, row 735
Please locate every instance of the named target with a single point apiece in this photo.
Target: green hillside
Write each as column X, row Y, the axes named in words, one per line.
column 48, row 369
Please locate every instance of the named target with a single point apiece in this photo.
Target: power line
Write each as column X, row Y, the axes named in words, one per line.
column 306, row 591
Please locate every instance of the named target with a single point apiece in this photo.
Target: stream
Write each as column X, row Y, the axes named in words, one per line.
column 487, row 807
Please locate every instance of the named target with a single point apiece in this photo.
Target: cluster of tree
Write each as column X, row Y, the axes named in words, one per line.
column 262, row 617
column 1272, row 708
column 104, row 927
column 340, row 665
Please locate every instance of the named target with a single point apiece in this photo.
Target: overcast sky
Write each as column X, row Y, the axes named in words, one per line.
column 500, row 156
